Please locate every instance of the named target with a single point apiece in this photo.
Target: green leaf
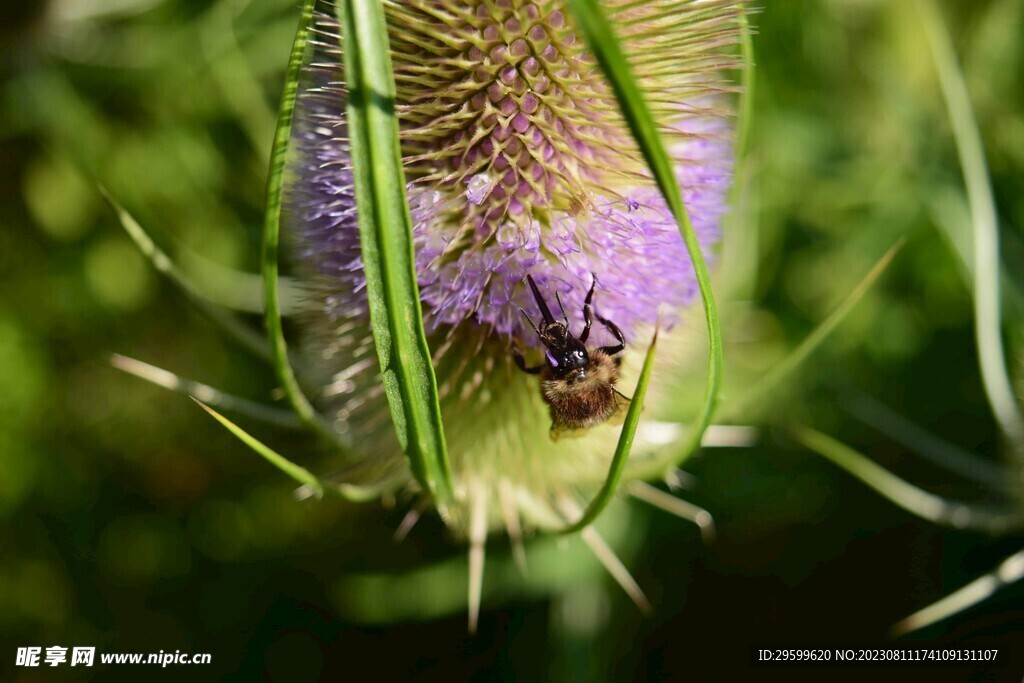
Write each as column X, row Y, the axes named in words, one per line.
column 385, row 229
column 272, row 230
column 605, row 47
column 621, row 457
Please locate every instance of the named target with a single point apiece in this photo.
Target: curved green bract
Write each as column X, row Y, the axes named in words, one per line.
column 385, row 229
column 281, row 417
column 316, row 487
column 606, row 49
column 296, row 472
column 272, row 230
column 926, row 505
column 621, row 457
column 1009, row 571
column 746, row 100
column 245, row 335
column 787, row 367
column 995, row 375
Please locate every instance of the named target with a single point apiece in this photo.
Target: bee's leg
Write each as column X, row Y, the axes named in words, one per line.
column 521, row 362
column 628, row 398
column 586, row 311
column 614, row 329
column 565, row 318
column 530, row 320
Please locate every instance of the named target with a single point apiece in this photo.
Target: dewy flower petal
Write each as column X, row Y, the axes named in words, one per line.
column 518, row 163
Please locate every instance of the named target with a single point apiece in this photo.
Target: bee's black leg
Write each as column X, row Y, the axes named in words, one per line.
column 565, row 318
column 530, row 320
column 521, row 362
column 628, row 398
column 614, row 329
column 586, row 311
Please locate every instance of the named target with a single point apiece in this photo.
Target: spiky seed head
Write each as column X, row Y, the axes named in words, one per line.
column 517, row 163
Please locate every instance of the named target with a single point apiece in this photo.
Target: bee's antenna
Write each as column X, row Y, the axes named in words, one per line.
column 545, row 312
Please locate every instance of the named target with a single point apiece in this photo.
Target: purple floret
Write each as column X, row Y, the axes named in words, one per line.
column 478, row 234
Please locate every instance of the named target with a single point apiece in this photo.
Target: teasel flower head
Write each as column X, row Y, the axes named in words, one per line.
column 517, row 162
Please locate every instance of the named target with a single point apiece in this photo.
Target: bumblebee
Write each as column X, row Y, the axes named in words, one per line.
column 577, row 382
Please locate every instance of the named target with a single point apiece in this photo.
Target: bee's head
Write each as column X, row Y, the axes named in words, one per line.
column 567, row 360
column 566, row 355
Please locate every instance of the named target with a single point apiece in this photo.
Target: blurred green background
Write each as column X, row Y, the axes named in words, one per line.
column 132, row 522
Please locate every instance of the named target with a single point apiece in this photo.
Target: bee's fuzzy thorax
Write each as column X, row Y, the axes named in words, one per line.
column 583, row 404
